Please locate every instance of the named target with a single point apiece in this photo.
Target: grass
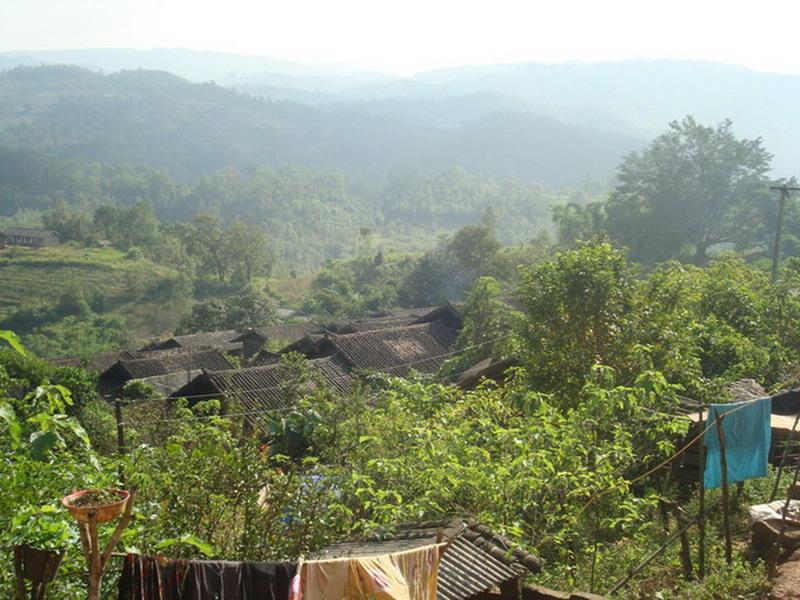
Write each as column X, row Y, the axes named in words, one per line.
column 41, row 275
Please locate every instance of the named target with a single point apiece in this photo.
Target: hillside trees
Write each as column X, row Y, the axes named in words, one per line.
column 578, row 310
column 692, row 188
column 239, row 250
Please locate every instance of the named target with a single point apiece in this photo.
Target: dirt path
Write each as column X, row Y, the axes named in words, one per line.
column 786, row 585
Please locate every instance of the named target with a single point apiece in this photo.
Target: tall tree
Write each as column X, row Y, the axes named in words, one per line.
column 692, row 188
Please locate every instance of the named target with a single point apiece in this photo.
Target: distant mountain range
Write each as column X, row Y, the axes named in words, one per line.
column 194, row 129
column 558, row 124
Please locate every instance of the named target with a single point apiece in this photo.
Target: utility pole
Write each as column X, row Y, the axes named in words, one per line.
column 784, row 190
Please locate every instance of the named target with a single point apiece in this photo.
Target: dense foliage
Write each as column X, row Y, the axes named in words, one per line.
column 550, row 459
column 692, row 190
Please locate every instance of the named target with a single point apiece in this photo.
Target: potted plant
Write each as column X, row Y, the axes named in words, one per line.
column 105, row 504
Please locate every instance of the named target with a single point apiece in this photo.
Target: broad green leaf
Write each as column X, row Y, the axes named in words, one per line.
column 189, row 539
column 12, row 340
column 8, row 415
column 41, row 443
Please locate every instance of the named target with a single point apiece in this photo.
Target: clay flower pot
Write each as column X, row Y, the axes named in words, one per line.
column 104, row 512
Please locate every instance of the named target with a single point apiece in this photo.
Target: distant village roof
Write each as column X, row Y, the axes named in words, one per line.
column 29, row 232
column 476, row 561
column 399, row 318
column 164, row 385
column 396, row 351
column 285, row 332
column 161, row 363
column 223, row 339
column 266, row 387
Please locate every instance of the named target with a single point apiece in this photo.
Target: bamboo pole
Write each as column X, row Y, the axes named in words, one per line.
column 686, row 555
column 785, row 454
column 701, row 546
column 723, row 463
column 655, row 553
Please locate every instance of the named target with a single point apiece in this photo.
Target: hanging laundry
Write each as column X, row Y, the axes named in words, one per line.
column 157, row 578
column 408, row 575
column 748, row 437
column 233, row 580
column 786, row 403
column 152, row 578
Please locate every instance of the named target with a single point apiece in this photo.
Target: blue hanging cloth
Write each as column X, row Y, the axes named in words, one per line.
column 748, row 437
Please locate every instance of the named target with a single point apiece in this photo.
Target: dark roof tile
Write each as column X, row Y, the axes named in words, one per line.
column 397, row 351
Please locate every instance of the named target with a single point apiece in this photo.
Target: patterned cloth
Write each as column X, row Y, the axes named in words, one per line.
column 409, row 575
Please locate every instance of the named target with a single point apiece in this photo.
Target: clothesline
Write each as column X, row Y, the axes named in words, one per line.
column 410, row 574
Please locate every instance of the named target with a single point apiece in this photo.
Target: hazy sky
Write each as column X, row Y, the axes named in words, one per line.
column 405, row 36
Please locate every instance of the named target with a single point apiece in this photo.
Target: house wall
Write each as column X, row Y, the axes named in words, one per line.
column 32, row 241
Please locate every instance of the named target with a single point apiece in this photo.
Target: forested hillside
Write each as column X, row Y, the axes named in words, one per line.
column 309, row 216
column 157, row 119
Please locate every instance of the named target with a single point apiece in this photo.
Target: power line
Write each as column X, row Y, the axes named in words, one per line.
column 776, row 251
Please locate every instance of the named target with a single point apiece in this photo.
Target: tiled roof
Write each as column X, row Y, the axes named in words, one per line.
column 265, row 387
column 28, row 231
column 166, row 384
column 385, row 320
column 163, row 362
column 397, row 351
column 288, row 332
column 97, row 362
column 223, row 339
column 476, row 559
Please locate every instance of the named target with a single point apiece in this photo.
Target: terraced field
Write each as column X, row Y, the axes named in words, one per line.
column 41, row 275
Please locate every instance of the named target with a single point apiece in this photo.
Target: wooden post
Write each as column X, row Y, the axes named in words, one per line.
column 701, row 546
column 786, row 447
column 723, row 463
column 96, row 558
column 776, row 250
column 120, row 438
column 686, row 556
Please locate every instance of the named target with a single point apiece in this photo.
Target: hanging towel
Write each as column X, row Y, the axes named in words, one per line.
column 409, row 575
column 151, row 578
column 748, row 437
column 234, row 580
column 158, row 578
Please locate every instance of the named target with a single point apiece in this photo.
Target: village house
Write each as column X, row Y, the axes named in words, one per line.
column 255, row 340
column 269, row 387
column 153, row 364
column 32, row 238
column 398, row 351
column 224, row 340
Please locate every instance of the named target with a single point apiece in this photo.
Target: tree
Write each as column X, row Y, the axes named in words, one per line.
column 692, row 188
column 247, row 247
column 69, row 224
column 578, row 222
column 206, row 242
column 245, row 310
column 488, row 325
column 578, row 313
